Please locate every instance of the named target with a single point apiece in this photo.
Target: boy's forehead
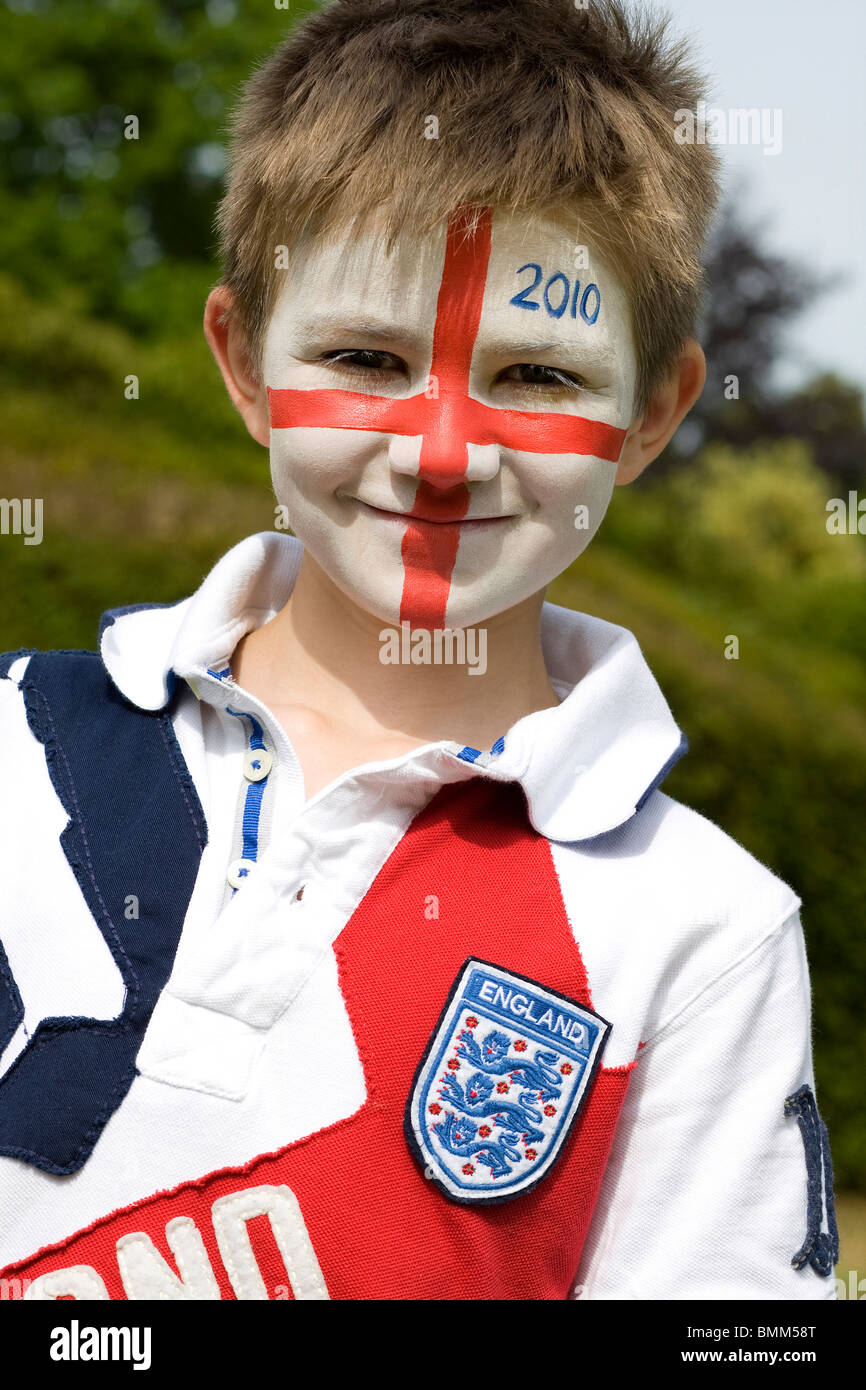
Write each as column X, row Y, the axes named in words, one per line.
column 536, row 288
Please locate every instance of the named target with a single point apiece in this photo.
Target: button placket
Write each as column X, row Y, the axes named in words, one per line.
column 257, row 765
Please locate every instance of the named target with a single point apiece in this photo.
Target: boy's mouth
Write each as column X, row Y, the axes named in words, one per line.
column 429, row 516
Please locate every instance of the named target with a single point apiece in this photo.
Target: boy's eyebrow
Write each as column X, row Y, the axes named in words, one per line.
column 378, row 329
column 503, row 346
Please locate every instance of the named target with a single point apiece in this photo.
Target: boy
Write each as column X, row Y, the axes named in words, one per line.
column 340, row 965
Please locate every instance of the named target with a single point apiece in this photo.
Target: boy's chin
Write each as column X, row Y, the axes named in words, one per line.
column 424, row 612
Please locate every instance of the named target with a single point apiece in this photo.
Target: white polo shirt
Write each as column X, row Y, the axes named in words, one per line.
column 692, row 949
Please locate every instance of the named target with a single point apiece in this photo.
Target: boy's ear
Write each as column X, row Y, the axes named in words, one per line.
column 669, row 406
column 229, row 347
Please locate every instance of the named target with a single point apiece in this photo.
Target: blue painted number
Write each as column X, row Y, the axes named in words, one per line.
column 520, row 298
column 557, row 292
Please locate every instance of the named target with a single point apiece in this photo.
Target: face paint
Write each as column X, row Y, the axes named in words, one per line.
column 447, row 419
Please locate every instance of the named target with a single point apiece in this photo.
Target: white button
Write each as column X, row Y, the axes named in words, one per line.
column 257, row 764
column 238, row 870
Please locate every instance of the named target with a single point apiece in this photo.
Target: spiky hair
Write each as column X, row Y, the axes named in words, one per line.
column 542, row 107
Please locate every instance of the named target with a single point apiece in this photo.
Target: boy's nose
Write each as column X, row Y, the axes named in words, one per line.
column 443, row 465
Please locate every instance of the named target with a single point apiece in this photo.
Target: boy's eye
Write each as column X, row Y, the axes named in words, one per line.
column 532, row 374
column 365, row 360
column 374, row 364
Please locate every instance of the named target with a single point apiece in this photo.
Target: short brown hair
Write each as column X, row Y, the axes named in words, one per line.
column 541, row 106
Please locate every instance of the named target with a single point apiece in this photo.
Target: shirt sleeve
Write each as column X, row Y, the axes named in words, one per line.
column 706, row 1192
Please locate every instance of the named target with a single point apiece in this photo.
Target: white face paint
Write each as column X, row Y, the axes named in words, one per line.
column 501, row 507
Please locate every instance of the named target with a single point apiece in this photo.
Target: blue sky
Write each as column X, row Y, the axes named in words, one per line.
column 807, row 59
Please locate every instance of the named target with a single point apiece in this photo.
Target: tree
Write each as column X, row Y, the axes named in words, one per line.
column 121, row 215
column 753, row 296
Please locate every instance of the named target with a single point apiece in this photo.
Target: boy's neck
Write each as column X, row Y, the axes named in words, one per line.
column 318, row 666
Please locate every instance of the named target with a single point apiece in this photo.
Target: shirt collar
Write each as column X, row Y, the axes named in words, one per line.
column 585, row 766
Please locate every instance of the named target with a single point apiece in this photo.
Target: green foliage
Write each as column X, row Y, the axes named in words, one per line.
column 140, row 497
column 750, row 526
column 127, row 222
column 756, row 516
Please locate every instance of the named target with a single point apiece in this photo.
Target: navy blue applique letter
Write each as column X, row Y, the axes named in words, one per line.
column 820, row 1248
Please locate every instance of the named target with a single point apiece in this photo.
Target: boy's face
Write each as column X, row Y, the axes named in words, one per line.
column 446, row 420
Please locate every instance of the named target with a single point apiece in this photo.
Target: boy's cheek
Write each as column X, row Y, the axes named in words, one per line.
column 312, row 470
column 570, row 498
column 317, row 463
column 571, row 494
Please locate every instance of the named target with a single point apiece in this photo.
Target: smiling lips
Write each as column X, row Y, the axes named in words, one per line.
column 441, row 515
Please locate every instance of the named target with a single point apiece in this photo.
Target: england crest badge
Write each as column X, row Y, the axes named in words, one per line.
column 501, row 1083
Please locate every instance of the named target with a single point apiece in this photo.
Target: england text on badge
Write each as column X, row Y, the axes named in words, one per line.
column 502, row 1081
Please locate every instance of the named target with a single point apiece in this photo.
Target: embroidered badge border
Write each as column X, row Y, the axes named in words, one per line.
column 531, row 1072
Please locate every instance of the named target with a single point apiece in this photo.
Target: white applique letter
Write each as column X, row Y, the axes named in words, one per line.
column 78, row 1281
column 280, row 1205
column 146, row 1275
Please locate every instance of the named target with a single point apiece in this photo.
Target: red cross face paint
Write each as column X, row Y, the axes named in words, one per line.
column 446, row 420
